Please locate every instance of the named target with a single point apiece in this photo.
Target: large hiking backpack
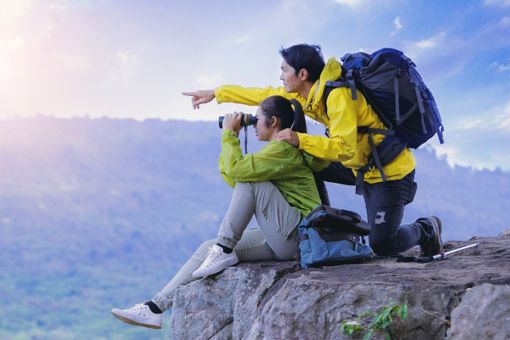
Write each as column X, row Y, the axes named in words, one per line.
column 329, row 236
column 391, row 85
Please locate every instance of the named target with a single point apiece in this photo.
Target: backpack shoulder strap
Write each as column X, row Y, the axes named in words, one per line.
column 330, row 86
column 387, row 150
column 345, row 81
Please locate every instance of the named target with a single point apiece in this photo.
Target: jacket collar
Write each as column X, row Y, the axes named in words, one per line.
column 332, row 71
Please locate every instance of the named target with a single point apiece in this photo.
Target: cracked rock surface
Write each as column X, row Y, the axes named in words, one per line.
column 466, row 296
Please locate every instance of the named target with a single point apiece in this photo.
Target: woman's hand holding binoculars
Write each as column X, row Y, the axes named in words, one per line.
column 232, row 121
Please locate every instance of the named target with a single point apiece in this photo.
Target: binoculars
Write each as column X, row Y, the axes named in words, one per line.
column 247, row 119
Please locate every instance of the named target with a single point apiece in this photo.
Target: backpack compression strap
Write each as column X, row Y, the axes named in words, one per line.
column 373, row 160
column 382, row 154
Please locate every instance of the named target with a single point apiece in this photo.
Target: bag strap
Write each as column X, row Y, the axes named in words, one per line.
column 345, row 215
column 325, row 216
column 335, row 236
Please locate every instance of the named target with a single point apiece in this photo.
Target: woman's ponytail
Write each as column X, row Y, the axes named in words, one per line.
column 299, row 124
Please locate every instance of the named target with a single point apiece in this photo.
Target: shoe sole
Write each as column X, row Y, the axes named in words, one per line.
column 437, row 226
column 133, row 322
column 228, row 263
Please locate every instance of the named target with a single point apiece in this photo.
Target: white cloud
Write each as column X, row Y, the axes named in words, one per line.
column 209, row 216
column 57, row 6
column 73, row 62
column 447, row 150
column 50, row 28
column 421, row 50
column 290, row 7
column 502, row 3
column 350, row 3
column 505, row 22
column 242, row 40
column 127, row 57
column 475, row 123
column 501, row 67
column 472, row 124
column 11, row 45
column 504, row 118
column 209, row 81
column 431, row 42
column 282, row 19
column 428, row 43
column 497, row 118
column 12, row 10
column 505, row 123
column 397, row 24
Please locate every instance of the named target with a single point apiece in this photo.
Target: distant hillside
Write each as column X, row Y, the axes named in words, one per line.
column 97, row 213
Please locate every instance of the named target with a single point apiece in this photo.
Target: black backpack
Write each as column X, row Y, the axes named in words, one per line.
column 391, row 85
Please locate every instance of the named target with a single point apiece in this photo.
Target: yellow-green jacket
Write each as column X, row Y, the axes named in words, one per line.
column 344, row 115
column 288, row 168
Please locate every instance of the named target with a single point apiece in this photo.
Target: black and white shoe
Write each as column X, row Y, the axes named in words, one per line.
column 215, row 262
column 139, row 315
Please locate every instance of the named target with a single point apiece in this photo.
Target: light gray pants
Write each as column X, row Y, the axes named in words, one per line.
column 275, row 239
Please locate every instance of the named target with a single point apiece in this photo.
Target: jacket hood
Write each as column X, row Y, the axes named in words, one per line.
column 332, row 71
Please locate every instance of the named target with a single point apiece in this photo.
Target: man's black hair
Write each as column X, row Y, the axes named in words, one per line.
column 304, row 56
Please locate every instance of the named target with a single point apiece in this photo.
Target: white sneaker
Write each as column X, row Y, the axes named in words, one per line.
column 139, row 315
column 215, row 262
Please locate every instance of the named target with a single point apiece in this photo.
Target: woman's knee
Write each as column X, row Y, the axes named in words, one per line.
column 288, row 250
column 240, row 185
column 288, row 254
column 203, row 249
column 255, row 185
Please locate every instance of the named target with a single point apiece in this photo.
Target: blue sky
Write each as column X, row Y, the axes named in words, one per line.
column 132, row 59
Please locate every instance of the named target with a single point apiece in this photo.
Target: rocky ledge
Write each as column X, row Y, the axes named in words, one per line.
column 466, row 296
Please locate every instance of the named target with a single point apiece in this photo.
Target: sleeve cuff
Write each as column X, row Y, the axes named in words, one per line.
column 228, row 133
column 302, row 140
column 217, row 95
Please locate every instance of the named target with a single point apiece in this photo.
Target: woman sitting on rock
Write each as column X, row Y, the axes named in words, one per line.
column 275, row 184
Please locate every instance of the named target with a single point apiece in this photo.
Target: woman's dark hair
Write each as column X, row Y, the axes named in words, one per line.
column 304, row 56
column 280, row 107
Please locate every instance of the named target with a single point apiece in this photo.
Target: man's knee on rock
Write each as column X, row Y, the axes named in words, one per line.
column 383, row 246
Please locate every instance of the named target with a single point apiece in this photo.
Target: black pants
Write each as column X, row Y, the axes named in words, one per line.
column 385, row 203
column 334, row 173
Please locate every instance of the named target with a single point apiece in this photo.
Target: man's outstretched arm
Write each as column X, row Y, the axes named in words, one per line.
column 238, row 94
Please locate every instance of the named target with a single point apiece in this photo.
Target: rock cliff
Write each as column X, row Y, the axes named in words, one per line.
column 466, row 296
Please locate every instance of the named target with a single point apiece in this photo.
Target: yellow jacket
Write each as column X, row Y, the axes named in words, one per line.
column 344, row 143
